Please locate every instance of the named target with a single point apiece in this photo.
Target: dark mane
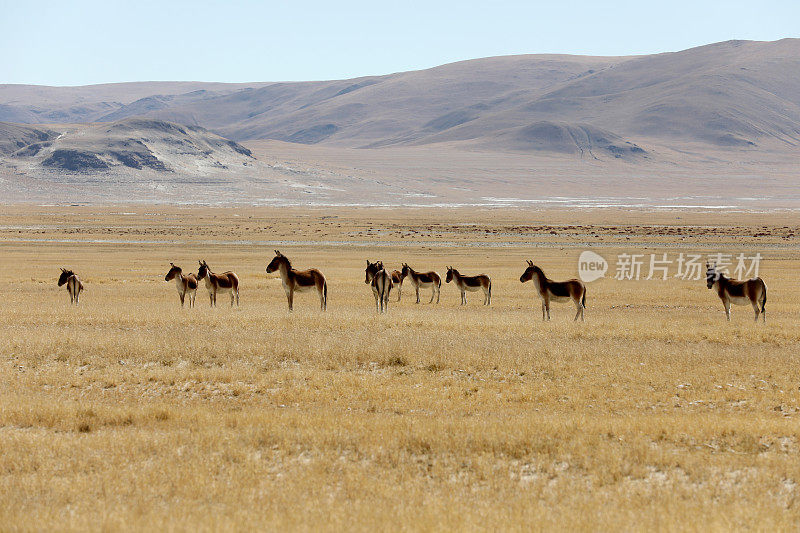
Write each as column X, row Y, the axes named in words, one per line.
column 538, row 271
column 65, row 275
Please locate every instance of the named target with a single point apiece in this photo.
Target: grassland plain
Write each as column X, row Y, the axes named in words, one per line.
column 129, row 412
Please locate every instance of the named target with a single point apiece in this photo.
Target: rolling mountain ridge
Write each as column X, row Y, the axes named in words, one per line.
column 707, row 124
column 735, row 94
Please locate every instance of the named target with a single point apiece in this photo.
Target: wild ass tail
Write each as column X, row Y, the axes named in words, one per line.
column 583, row 298
column 764, row 298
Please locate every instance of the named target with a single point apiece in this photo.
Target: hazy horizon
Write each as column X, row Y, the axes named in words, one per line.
column 90, row 42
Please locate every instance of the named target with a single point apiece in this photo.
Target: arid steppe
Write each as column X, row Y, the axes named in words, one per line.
column 129, row 412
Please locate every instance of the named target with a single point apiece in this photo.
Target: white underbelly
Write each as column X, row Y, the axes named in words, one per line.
column 560, row 298
column 222, row 290
column 304, row 288
column 472, row 289
column 740, row 300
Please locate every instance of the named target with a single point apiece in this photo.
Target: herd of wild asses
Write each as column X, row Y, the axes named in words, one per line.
column 751, row 291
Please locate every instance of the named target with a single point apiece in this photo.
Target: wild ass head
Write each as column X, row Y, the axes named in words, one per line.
column 174, row 271
column 65, row 275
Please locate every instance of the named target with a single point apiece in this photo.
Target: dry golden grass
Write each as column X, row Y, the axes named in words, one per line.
column 129, row 412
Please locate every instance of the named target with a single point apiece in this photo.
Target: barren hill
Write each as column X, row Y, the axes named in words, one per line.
column 730, row 94
column 133, row 143
column 703, row 124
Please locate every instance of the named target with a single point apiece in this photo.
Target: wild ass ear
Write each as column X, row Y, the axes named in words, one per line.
column 278, row 253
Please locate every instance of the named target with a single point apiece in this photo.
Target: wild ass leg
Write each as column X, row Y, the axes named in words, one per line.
column 727, row 304
column 290, row 297
column 578, row 309
column 416, row 287
column 182, row 296
column 755, row 309
column 543, row 312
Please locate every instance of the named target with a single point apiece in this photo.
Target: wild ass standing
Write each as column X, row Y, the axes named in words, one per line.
column 397, row 279
column 752, row 291
column 74, row 285
column 186, row 285
column 299, row 280
column 471, row 284
column 423, row 279
column 219, row 283
column 381, row 282
column 556, row 291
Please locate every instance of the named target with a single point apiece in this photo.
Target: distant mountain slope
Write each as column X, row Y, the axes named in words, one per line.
column 40, row 104
column 131, row 144
column 736, row 94
column 14, row 137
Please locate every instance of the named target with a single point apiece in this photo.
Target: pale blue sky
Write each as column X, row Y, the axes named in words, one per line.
column 82, row 42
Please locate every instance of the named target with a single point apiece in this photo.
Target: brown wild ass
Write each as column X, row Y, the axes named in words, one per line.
column 471, row 284
column 397, row 279
column 219, row 283
column 381, row 282
column 423, row 279
column 186, row 285
column 752, row 291
column 556, row 291
column 74, row 285
column 299, row 280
